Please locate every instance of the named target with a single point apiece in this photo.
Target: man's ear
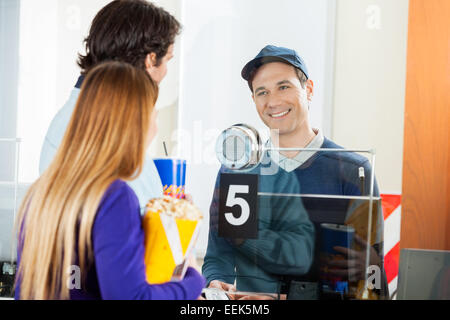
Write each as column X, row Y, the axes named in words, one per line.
column 150, row 61
column 309, row 89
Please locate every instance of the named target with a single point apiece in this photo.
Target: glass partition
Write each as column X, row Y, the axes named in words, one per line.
column 10, row 195
column 280, row 231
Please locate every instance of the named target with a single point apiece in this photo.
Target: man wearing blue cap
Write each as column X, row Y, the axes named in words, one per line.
column 282, row 92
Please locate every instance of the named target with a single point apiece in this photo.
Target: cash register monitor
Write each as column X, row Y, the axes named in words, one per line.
column 424, row 275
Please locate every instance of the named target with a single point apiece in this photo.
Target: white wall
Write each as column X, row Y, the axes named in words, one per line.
column 51, row 35
column 9, row 65
column 370, row 75
column 219, row 37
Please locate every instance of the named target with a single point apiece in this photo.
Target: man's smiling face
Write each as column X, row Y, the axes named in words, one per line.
column 281, row 101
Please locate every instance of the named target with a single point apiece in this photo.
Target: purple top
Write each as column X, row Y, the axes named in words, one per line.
column 118, row 271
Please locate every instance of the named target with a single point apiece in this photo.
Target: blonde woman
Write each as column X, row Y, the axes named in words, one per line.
column 81, row 214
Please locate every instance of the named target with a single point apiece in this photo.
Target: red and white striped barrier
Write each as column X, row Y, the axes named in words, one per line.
column 391, row 204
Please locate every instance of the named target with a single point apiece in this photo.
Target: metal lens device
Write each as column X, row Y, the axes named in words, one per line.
column 239, row 147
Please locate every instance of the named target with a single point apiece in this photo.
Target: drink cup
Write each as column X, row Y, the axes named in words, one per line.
column 173, row 176
column 334, row 235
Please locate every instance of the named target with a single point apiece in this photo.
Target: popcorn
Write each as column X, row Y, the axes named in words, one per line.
column 171, row 229
column 177, row 208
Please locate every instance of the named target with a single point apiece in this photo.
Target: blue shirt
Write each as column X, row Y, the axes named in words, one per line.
column 118, row 271
column 147, row 186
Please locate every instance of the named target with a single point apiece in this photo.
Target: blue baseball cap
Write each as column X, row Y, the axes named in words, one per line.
column 274, row 54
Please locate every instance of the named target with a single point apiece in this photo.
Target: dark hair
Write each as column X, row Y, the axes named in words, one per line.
column 300, row 75
column 127, row 31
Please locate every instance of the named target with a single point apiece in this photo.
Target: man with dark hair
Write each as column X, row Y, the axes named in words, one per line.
column 132, row 31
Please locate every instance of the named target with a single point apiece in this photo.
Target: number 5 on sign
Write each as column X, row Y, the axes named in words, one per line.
column 238, row 206
column 232, row 200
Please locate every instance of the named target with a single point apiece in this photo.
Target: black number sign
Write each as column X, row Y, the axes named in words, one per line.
column 238, row 212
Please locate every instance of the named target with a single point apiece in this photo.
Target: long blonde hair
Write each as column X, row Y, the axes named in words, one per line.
column 105, row 141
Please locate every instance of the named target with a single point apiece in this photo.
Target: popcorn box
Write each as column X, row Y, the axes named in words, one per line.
column 171, row 229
